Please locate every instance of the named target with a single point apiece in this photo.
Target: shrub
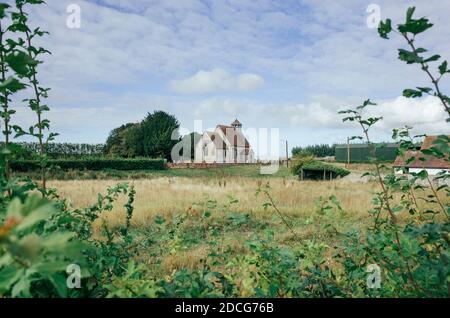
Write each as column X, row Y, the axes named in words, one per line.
column 92, row 164
column 318, row 166
column 308, row 163
column 299, row 161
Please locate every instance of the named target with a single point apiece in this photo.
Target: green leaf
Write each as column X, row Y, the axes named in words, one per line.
column 48, row 268
column 424, row 89
column 443, row 68
column 3, row 7
column 412, row 93
column 421, row 50
column 432, row 58
column 368, row 102
column 20, row 62
column 57, row 240
column 9, row 276
column 34, row 210
column 409, row 57
column 59, row 282
column 385, row 28
column 35, row 1
column 207, row 214
column 22, row 287
column 159, row 220
column 409, row 13
column 415, row 26
column 12, row 85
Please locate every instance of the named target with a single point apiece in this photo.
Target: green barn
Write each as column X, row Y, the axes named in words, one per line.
column 386, row 152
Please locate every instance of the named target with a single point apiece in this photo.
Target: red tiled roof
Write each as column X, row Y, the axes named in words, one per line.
column 421, row 160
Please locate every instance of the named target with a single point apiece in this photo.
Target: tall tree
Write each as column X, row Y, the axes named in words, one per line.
column 159, row 134
column 154, row 137
column 117, row 143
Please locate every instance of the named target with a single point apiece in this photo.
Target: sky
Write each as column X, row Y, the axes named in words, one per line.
column 290, row 64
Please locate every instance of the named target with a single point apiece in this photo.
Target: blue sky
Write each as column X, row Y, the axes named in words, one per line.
column 274, row 64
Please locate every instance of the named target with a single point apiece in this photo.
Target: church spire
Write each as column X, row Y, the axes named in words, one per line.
column 236, row 124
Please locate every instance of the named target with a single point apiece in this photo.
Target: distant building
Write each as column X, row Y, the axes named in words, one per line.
column 361, row 152
column 226, row 144
column 421, row 162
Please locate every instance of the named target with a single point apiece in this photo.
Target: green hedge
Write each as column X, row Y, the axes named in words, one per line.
column 308, row 164
column 92, row 164
column 320, row 166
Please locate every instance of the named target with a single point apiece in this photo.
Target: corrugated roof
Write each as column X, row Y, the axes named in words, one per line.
column 421, row 160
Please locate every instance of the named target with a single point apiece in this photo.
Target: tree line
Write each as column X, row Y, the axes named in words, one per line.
column 153, row 137
column 321, row 150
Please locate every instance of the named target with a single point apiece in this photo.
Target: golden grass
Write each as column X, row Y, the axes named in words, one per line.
column 169, row 196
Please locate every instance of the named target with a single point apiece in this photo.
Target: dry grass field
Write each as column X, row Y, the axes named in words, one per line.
column 171, row 196
column 167, row 196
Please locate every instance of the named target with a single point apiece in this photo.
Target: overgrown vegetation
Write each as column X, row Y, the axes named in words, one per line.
column 313, row 169
column 50, row 249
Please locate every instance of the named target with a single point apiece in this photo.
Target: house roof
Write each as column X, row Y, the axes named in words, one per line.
column 421, row 160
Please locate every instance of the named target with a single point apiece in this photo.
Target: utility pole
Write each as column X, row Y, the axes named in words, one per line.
column 348, row 151
column 287, row 154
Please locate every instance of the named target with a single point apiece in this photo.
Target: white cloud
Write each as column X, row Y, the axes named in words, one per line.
column 217, row 80
column 249, row 82
column 425, row 115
